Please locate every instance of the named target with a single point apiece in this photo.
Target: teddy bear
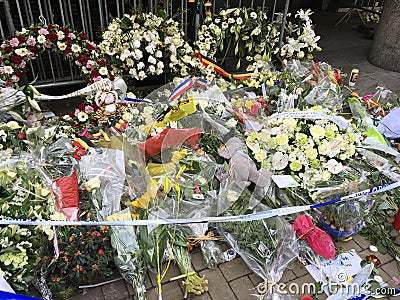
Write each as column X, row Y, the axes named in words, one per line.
column 242, row 167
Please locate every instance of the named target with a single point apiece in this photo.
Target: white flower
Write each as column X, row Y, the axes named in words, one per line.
column 239, row 21
column 22, row 51
column 253, row 15
column 225, row 25
column 103, row 71
column 8, row 70
column 60, row 35
column 41, row 39
column 61, row 46
column 317, row 131
column 231, row 123
column 82, row 116
column 127, row 117
column 140, row 65
column 93, row 184
column 158, row 54
column 75, row 48
column 333, row 166
column 279, row 161
column 152, row 60
column 232, row 196
column 304, row 15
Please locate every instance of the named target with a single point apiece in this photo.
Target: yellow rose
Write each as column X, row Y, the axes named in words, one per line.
column 311, row 153
column 317, row 131
column 282, row 139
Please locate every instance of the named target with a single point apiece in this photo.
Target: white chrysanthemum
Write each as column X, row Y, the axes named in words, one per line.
column 82, row 116
column 75, row 48
column 61, row 46
column 41, row 39
column 21, row 51
column 8, row 70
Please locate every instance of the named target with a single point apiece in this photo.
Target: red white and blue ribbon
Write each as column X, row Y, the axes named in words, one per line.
column 186, row 85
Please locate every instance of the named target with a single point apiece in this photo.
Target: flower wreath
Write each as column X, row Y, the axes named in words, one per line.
column 28, row 43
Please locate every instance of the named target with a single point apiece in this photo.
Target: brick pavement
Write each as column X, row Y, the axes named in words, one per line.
column 231, row 280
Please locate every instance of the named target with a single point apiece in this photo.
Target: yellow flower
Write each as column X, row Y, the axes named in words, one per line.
column 248, row 103
column 317, row 131
column 282, row 139
column 311, row 153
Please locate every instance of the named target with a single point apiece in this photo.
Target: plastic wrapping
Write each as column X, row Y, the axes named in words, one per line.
column 129, row 257
column 327, row 94
column 109, row 168
column 10, row 98
column 267, row 246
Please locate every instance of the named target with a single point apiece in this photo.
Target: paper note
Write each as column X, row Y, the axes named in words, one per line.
column 284, row 181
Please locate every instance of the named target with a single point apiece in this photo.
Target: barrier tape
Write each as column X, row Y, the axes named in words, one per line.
column 242, row 218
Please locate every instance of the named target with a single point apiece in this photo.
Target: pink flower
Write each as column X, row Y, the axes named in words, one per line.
column 98, row 78
column 72, row 36
column 78, row 63
column 47, row 44
column 31, row 41
column 77, row 111
column 100, row 252
column 43, row 31
column 22, row 64
column 90, row 64
column 254, row 108
column 30, row 54
column 15, row 78
column 89, row 109
column 3, row 45
column 14, row 42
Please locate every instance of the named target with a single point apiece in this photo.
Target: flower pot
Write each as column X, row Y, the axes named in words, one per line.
column 340, row 235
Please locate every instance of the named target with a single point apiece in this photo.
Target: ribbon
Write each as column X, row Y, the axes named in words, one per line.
column 217, row 68
column 250, row 217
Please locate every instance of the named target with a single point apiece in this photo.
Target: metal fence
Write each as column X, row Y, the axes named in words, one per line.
column 92, row 16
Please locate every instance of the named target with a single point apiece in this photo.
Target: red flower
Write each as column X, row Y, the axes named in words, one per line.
column 50, row 27
column 101, row 62
column 83, row 36
column 83, row 59
column 90, row 47
column 18, row 73
column 21, row 135
column 100, row 252
column 79, row 153
column 68, row 50
column 112, row 77
column 68, row 40
column 21, row 39
column 372, row 259
column 16, row 59
column 35, row 30
column 7, row 49
column 65, row 30
column 95, row 107
column 34, row 49
column 95, row 73
column 72, row 114
column 52, row 37
column 81, row 107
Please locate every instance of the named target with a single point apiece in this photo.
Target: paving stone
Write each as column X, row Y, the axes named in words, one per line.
column 204, row 296
column 243, row 288
column 234, row 269
column 173, row 271
column 152, row 294
column 218, row 288
column 255, row 279
column 148, row 282
column 304, row 285
column 391, row 269
column 361, row 241
column 198, row 261
column 299, row 270
column 115, row 291
column 351, row 244
column 90, row 293
column 288, row 276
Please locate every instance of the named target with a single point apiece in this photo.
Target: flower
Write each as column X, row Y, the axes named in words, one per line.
column 79, row 153
column 372, row 259
column 82, row 116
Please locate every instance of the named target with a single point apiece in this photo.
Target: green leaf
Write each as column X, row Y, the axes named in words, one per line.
column 238, row 64
column 125, row 23
column 382, row 249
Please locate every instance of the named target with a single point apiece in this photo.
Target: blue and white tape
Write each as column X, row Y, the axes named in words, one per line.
column 241, row 218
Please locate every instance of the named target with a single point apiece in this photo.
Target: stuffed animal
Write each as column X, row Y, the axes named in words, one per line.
column 242, row 167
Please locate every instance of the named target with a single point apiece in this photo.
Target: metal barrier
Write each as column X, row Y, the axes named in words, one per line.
column 362, row 5
column 91, row 17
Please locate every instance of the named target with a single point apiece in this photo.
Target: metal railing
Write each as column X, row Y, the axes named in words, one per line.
column 93, row 16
